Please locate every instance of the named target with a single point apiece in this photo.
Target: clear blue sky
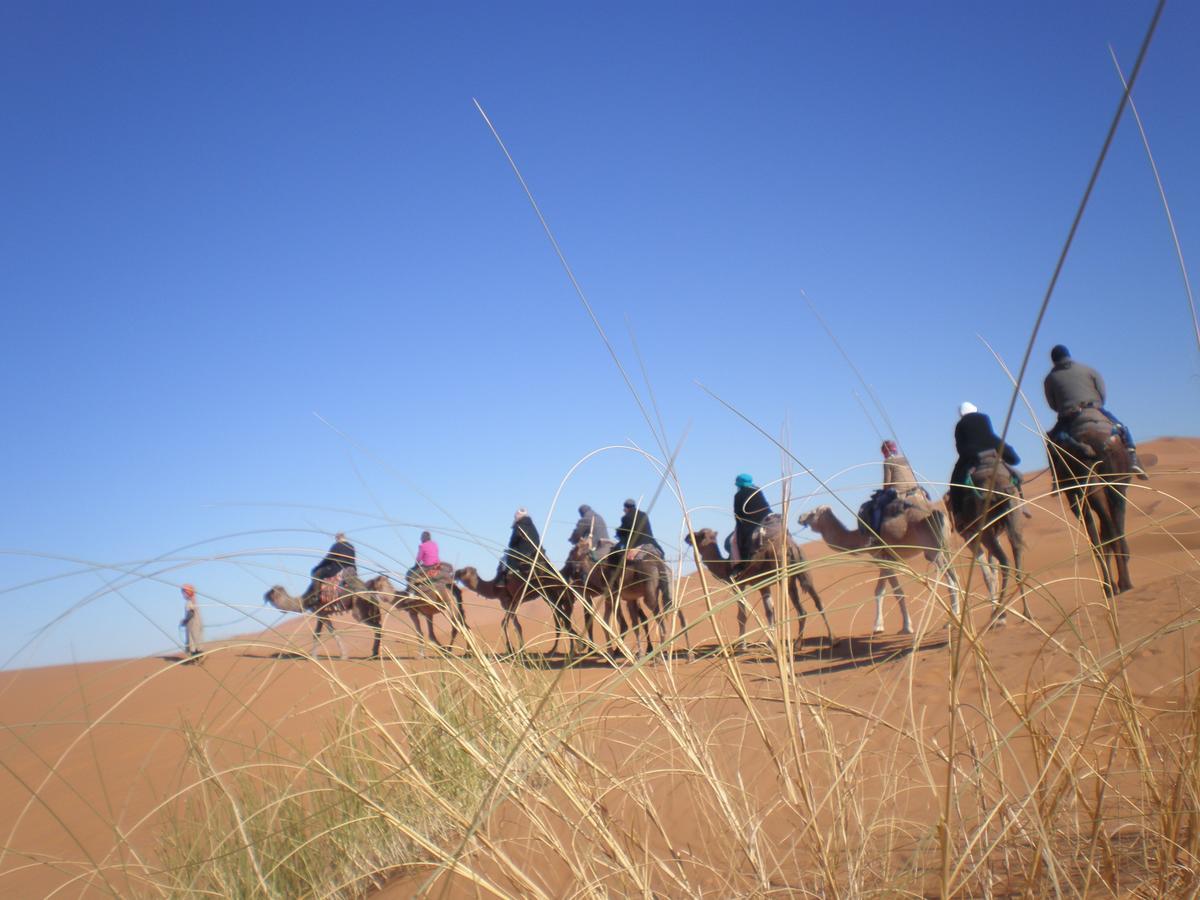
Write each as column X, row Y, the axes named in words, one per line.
column 267, row 275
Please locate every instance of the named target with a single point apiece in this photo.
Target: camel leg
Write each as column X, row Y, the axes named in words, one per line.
column 768, row 607
column 1084, row 510
column 987, row 570
column 317, row 629
column 416, row 625
column 1115, row 539
column 516, row 620
column 806, row 584
column 432, row 633
column 743, row 614
column 456, row 617
column 1017, row 542
column 906, row 626
column 793, row 589
column 999, row 606
column 943, row 572
column 661, row 613
column 504, row 628
column 376, row 623
column 880, row 589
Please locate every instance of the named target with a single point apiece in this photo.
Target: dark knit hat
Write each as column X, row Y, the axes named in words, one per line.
column 1059, row 353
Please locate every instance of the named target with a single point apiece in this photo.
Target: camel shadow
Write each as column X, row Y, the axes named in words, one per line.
column 860, row 652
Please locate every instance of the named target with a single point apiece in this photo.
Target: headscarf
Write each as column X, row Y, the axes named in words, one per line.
column 967, row 407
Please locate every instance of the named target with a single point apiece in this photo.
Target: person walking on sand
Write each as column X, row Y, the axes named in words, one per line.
column 192, row 623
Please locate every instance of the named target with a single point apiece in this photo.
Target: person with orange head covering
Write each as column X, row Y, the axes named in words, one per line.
column 192, row 622
column 899, row 476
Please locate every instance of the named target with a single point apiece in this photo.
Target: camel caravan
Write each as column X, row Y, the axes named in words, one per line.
column 1092, row 461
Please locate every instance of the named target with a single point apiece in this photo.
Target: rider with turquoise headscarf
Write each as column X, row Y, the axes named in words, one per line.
column 750, row 509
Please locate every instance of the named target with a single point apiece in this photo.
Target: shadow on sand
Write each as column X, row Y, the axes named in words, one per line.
column 842, row 655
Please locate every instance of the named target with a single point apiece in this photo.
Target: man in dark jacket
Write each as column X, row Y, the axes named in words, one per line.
column 750, row 509
column 1072, row 387
column 341, row 557
column 590, row 525
column 635, row 530
column 973, row 435
column 524, row 547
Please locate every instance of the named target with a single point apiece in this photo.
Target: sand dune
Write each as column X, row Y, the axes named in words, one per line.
column 90, row 751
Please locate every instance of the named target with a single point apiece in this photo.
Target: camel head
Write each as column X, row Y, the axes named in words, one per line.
column 702, row 538
column 279, row 598
column 468, row 576
column 812, row 518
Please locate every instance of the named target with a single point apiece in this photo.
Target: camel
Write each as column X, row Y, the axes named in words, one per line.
column 423, row 596
column 899, row 537
column 368, row 602
column 592, row 579
column 636, row 578
column 514, row 590
column 1095, row 487
column 765, row 568
column 351, row 595
column 992, row 508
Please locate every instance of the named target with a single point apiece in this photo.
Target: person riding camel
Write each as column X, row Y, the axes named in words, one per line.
column 428, row 566
column 1071, row 387
column 340, row 558
column 973, row 436
column 899, row 483
column 591, row 525
column 899, row 476
column 427, row 552
column 750, row 510
column 635, row 532
column 524, row 548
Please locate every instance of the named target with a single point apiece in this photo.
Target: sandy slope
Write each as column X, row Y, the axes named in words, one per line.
column 90, row 749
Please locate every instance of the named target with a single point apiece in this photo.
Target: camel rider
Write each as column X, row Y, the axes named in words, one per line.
column 591, row 525
column 899, row 483
column 900, row 477
column 1072, row 387
column 428, row 565
column 524, row 547
column 750, row 510
column 635, row 532
column 973, row 435
column 427, row 553
column 340, row 558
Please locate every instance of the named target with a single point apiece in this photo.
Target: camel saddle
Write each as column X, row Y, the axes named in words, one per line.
column 441, row 575
column 1086, row 419
column 648, row 551
column 771, row 529
column 334, row 595
column 991, row 470
column 882, row 504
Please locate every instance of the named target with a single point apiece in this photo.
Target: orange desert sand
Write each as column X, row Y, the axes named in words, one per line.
column 90, row 751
